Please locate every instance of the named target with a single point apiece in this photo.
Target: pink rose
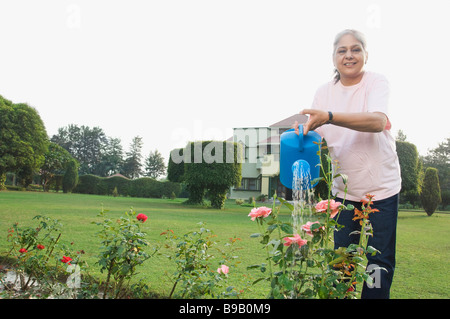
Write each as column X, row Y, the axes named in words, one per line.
column 260, row 212
column 294, row 240
column 307, row 228
column 322, row 206
column 223, row 269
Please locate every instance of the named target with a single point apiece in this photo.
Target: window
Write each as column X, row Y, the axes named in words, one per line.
column 250, row 184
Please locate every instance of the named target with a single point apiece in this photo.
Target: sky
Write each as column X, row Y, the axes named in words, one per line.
column 172, row 71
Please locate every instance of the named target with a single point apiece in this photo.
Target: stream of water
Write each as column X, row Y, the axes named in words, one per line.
column 302, row 195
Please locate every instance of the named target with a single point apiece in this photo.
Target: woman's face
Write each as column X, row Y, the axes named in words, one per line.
column 349, row 59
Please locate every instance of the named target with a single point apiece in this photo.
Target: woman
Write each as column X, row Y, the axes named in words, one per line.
column 351, row 114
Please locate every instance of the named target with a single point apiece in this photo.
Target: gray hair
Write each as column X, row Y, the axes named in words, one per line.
column 358, row 35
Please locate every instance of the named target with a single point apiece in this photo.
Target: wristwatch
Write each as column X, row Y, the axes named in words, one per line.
column 330, row 117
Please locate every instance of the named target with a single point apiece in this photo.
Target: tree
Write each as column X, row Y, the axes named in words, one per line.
column 410, row 169
column 70, row 179
column 112, row 158
column 431, row 192
column 56, row 160
column 401, row 137
column 408, row 157
column 23, row 140
column 439, row 158
column 85, row 144
column 217, row 170
column 175, row 171
column 154, row 165
column 132, row 164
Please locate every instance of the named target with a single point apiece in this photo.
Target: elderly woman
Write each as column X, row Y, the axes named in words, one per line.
column 351, row 114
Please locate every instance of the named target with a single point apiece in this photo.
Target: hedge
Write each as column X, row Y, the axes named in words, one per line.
column 141, row 187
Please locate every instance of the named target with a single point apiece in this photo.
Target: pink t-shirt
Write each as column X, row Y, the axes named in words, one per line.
column 368, row 159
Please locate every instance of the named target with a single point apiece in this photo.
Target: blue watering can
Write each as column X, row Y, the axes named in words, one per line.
column 299, row 152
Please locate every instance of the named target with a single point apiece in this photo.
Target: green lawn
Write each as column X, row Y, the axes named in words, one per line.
column 423, row 243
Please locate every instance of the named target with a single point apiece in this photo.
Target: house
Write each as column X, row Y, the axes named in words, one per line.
column 261, row 159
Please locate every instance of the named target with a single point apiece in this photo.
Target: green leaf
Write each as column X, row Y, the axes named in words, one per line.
column 372, row 250
column 265, row 239
column 350, row 207
column 286, row 203
column 287, row 228
column 316, row 180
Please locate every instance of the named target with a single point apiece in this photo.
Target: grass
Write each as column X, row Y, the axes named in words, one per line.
column 423, row 245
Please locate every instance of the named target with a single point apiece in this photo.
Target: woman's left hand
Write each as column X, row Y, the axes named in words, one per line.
column 316, row 119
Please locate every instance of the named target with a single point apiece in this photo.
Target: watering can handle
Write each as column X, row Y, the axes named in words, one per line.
column 300, row 138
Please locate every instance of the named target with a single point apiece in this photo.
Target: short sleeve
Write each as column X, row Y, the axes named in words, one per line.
column 317, row 105
column 378, row 98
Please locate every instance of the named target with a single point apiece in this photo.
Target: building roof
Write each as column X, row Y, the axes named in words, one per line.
column 287, row 122
column 118, row 175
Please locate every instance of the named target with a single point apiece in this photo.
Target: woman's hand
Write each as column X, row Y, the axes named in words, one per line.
column 316, row 119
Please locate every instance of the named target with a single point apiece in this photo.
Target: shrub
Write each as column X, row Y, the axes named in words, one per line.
column 70, row 179
column 445, row 196
column 175, row 171
column 121, row 184
column 408, row 157
column 87, row 184
column 431, row 192
column 213, row 174
column 196, row 276
column 142, row 187
column 123, row 250
column 40, row 259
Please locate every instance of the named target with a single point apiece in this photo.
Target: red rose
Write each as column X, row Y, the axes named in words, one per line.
column 22, row 250
column 141, row 217
column 40, row 246
column 66, row 260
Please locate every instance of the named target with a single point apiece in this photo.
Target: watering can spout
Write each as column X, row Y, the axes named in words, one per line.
column 301, row 173
column 301, row 168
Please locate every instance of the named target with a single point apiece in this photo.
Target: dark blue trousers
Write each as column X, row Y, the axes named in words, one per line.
column 384, row 225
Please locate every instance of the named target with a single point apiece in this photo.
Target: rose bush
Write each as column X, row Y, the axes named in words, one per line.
column 306, row 265
column 36, row 267
column 194, row 276
column 123, row 244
